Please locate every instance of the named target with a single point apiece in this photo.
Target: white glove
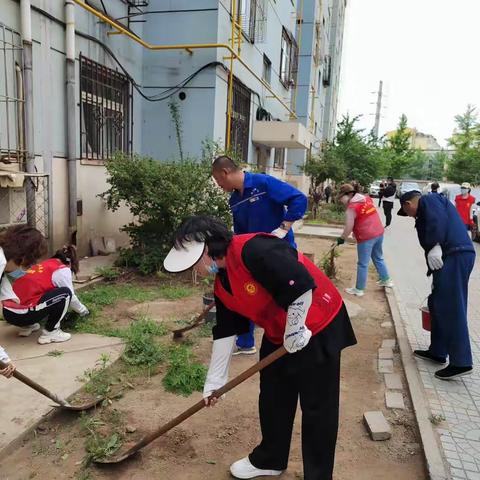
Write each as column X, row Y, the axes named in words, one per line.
column 280, row 232
column 217, row 375
column 297, row 335
column 4, row 356
column 434, row 258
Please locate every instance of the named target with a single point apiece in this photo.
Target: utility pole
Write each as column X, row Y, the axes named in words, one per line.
column 378, row 112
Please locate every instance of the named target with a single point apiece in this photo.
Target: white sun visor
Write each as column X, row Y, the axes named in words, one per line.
column 181, row 259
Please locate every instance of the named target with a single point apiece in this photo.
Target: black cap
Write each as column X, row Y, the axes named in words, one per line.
column 405, row 197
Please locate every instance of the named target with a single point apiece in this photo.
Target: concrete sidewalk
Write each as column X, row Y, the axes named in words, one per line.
column 23, row 407
column 457, row 401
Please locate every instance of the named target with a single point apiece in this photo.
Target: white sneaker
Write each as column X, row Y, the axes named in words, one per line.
column 244, row 469
column 385, row 283
column 27, row 331
column 55, row 336
column 355, row 291
column 244, row 351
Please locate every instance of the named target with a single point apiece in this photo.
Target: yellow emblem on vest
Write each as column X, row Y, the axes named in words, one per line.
column 250, row 288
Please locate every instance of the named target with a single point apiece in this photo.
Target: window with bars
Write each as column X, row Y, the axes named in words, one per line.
column 106, row 122
column 279, row 158
column 288, row 59
column 240, row 125
column 246, row 18
column 267, row 69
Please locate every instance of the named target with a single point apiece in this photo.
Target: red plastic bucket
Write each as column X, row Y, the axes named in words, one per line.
column 426, row 321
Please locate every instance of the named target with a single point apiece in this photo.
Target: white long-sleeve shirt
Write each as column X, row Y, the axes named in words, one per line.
column 4, row 355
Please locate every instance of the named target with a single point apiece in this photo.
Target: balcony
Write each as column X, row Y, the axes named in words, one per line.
column 281, row 134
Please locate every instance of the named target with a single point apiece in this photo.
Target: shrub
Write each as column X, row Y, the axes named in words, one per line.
column 160, row 195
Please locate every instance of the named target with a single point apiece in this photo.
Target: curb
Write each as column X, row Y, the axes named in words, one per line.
column 437, row 468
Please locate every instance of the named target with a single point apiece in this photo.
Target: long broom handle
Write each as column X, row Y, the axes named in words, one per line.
column 28, row 381
column 216, row 394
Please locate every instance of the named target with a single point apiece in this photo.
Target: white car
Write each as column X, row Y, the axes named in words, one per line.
column 374, row 189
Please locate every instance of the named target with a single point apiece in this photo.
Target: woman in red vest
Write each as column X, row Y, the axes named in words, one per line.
column 32, row 292
column 262, row 278
column 464, row 203
column 363, row 220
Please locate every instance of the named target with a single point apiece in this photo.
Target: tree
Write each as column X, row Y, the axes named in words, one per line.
column 323, row 167
column 427, row 167
column 400, row 152
column 465, row 163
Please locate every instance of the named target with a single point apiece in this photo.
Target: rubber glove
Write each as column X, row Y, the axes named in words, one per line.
column 340, row 241
column 280, row 232
column 434, row 258
column 297, row 335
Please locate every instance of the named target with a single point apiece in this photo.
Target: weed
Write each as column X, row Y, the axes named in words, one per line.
column 55, row 353
column 88, row 423
column 83, row 474
column 141, row 348
column 99, row 447
column 205, row 330
column 99, row 380
column 184, row 376
column 172, row 292
column 436, row 419
column 327, row 264
column 109, row 273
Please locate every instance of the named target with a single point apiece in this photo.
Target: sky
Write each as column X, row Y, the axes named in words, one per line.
column 427, row 54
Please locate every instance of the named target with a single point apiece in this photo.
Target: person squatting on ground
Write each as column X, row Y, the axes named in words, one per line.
column 450, row 257
column 262, row 278
column 465, row 204
column 363, row 220
column 31, row 292
column 388, row 198
column 259, row 203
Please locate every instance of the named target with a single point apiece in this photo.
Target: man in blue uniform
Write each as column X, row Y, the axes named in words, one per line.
column 450, row 259
column 259, row 203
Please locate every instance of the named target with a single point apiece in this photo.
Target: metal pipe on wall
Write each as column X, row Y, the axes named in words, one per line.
column 71, row 116
column 26, row 24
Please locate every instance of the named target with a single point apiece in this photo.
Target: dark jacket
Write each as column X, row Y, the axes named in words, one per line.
column 439, row 222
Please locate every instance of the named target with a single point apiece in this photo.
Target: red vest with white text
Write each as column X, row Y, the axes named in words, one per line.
column 250, row 299
column 367, row 221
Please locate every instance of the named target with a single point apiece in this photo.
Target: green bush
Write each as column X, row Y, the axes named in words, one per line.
column 160, row 195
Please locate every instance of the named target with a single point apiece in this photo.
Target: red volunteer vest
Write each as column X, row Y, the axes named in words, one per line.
column 34, row 284
column 367, row 221
column 463, row 207
column 250, row 299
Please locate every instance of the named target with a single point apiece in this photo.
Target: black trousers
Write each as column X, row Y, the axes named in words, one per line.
column 317, row 383
column 55, row 306
column 387, row 210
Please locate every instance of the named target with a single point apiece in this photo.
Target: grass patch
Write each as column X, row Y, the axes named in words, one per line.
column 184, row 376
column 330, row 213
column 55, row 353
column 99, row 447
column 98, row 379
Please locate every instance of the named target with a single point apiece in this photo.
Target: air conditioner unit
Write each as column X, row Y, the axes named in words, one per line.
column 13, row 206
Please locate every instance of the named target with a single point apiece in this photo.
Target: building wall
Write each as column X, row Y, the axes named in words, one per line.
column 49, row 97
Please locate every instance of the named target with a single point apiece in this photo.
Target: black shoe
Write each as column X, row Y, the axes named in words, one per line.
column 451, row 372
column 426, row 355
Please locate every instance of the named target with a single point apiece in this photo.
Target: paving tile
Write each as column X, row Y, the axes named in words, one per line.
column 393, row 381
column 394, row 400
column 385, row 366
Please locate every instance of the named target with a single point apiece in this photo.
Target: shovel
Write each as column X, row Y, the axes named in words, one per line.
column 147, row 439
column 60, row 401
column 198, row 321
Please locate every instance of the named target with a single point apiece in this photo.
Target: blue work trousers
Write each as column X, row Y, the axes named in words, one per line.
column 448, row 309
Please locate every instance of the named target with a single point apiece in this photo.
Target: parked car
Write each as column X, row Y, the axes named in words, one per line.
column 476, row 215
column 407, row 187
column 374, row 189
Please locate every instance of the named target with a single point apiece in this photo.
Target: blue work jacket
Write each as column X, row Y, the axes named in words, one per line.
column 266, row 202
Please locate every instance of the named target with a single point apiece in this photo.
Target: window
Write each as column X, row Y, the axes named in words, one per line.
column 240, row 126
column 279, row 158
column 288, row 59
column 105, row 111
column 246, row 17
column 327, row 70
column 316, row 55
column 267, row 69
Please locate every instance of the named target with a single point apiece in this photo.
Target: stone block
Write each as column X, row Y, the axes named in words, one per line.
column 394, row 400
column 385, row 353
column 393, row 381
column 385, row 366
column 390, row 343
column 377, row 426
column 386, row 324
